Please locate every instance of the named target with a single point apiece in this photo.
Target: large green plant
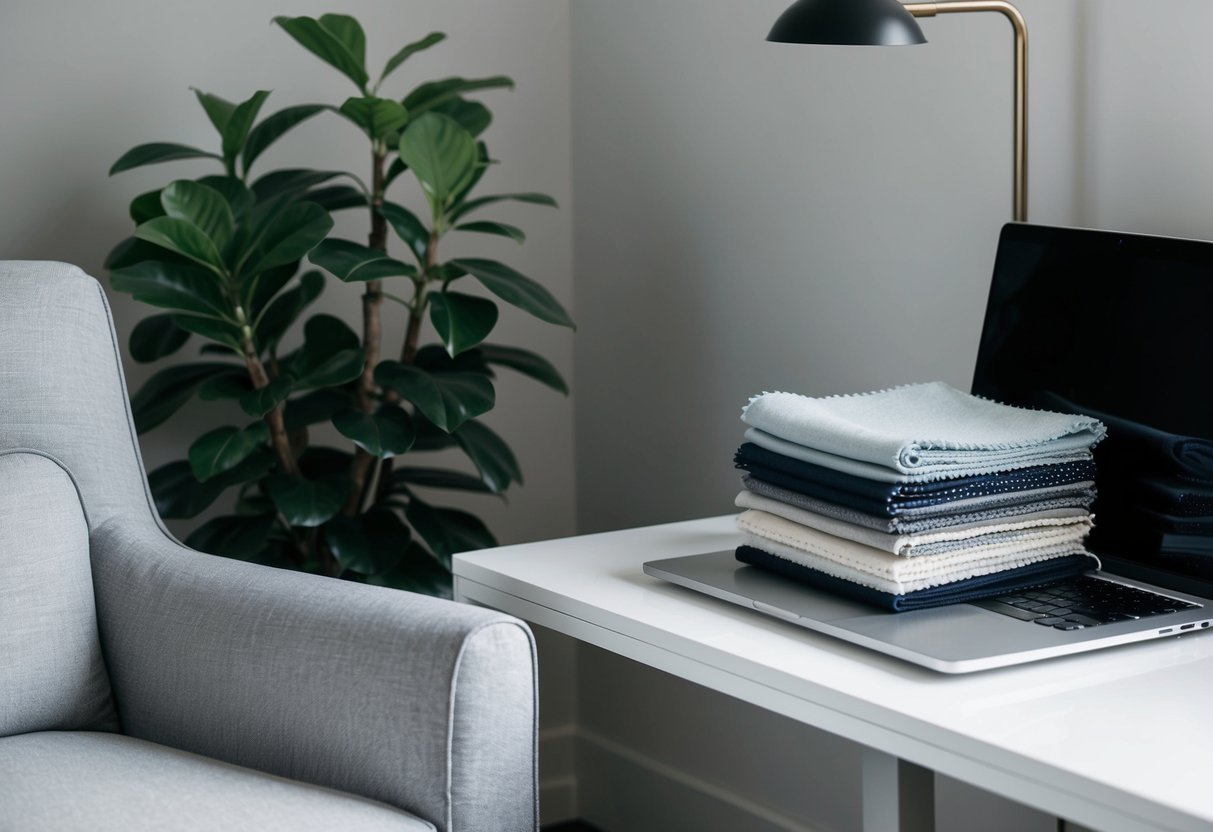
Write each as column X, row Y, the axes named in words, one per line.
column 222, row 255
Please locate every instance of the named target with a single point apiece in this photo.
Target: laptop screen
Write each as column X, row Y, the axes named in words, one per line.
column 1120, row 327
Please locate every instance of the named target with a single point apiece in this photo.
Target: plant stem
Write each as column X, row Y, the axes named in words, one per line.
column 372, row 335
column 408, row 352
column 274, row 419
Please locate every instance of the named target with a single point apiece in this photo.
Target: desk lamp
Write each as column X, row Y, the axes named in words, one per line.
column 891, row 23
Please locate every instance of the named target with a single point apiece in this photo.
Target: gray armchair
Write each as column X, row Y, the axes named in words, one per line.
column 147, row 686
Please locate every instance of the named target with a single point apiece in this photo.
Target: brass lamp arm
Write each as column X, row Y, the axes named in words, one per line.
column 1020, row 167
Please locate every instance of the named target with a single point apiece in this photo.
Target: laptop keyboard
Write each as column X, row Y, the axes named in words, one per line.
column 1081, row 602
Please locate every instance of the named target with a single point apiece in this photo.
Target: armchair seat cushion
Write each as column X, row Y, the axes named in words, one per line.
column 68, row 780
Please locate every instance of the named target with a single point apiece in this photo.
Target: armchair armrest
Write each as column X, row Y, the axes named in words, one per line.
column 421, row 703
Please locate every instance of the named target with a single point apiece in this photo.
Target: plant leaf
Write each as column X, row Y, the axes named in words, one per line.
column 156, row 152
column 416, row 571
column 181, row 286
column 182, row 237
column 305, row 502
column 324, row 335
column 348, row 31
column 462, row 321
column 326, row 46
column 493, row 458
column 289, row 181
column 516, row 289
column 274, row 127
column 288, row 235
column 448, row 399
column 262, row 400
column 525, row 362
column 224, row 448
column 336, row 197
column 156, row 337
column 218, row 110
column 179, row 496
column 377, row 117
column 438, row 478
column 448, row 531
column 224, row 388
column 370, row 544
column 167, row 390
column 239, row 197
column 474, row 116
column 233, row 536
column 286, row 309
column 408, row 228
column 332, row 371
column 473, row 204
column 501, row 229
column 387, row 433
column 351, row 262
column 430, row 95
column 201, row 206
column 146, row 207
column 441, row 154
column 315, row 407
column 224, row 332
column 396, row 168
column 408, row 51
column 269, row 284
column 238, row 126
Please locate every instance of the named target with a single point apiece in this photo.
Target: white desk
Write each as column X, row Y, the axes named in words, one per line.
column 1118, row 739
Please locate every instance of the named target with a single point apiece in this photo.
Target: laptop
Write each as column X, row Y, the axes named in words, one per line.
column 1112, row 325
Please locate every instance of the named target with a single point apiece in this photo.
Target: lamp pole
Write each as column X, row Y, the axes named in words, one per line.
column 1020, row 166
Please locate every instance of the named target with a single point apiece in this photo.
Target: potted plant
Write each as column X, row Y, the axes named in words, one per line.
column 235, row 260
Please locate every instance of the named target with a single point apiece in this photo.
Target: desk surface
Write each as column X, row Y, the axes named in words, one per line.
column 1114, row 739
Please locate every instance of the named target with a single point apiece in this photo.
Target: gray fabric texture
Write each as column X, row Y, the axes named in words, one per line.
column 355, row 687
column 52, row 676
column 73, row 781
column 423, row 704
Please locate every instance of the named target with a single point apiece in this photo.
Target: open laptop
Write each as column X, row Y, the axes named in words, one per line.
column 1114, row 325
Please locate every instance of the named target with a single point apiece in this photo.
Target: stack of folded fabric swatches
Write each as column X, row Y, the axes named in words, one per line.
column 917, row 496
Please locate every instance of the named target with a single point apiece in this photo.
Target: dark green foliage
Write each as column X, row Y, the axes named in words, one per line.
column 219, row 257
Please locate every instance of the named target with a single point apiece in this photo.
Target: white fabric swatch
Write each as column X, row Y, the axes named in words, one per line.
column 879, row 570
column 1067, row 525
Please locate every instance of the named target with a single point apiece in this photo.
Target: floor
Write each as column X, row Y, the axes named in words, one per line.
column 571, row 826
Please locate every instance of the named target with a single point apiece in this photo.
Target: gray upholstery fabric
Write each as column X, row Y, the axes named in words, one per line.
column 78, row 780
column 52, row 676
column 425, row 705
column 61, row 385
column 328, row 682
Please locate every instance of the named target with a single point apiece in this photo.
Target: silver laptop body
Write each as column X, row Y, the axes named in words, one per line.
column 1128, row 343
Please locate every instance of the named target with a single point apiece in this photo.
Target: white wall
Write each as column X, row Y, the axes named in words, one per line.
column 81, row 82
column 755, row 216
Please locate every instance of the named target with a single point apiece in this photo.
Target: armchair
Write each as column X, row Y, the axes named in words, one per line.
column 147, row 686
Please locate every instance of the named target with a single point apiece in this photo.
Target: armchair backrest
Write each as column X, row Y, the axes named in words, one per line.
column 61, row 386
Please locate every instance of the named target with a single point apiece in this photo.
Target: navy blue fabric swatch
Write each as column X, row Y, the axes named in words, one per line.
column 958, row 592
column 761, row 461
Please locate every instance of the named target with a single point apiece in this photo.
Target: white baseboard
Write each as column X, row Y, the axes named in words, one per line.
column 622, row 790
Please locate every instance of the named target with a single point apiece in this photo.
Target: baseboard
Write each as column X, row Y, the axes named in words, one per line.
column 660, row 798
column 557, row 781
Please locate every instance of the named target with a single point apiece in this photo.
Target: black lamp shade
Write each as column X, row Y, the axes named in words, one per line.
column 847, row 22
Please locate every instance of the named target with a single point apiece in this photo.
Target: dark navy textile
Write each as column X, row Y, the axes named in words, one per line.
column 957, row 592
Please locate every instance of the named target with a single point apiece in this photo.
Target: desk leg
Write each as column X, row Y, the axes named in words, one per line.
column 897, row 796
